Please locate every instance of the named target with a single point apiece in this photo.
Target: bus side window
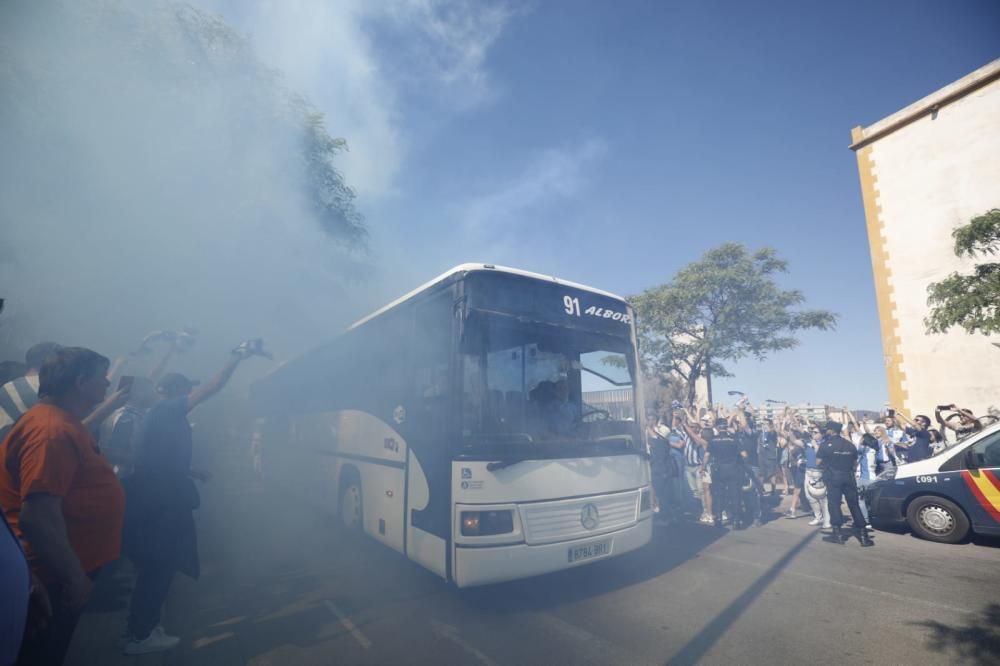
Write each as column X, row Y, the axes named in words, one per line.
column 431, row 355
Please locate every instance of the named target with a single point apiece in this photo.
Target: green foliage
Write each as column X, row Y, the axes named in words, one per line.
column 980, row 236
column 332, row 199
column 724, row 307
column 186, row 85
column 970, row 301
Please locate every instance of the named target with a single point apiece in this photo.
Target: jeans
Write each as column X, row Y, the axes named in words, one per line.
column 680, row 490
column 152, row 584
column 820, row 507
column 862, row 484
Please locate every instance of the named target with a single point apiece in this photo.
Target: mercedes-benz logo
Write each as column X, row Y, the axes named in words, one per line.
column 590, row 517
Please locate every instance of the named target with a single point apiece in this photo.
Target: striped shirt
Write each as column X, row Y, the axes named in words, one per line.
column 694, row 454
column 16, row 397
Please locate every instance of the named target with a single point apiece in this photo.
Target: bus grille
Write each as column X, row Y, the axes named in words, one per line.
column 547, row 522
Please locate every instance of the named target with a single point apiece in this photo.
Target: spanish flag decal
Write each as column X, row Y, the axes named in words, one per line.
column 986, row 487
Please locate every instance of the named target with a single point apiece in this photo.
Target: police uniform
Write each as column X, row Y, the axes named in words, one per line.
column 727, row 474
column 837, row 458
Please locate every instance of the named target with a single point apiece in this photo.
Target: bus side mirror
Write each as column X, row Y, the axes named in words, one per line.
column 972, row 459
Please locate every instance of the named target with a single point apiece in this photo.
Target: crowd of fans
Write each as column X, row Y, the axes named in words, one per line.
column 87, row 479
column 723, row 467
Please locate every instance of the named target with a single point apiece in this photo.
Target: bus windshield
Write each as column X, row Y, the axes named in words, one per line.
column 543, row 390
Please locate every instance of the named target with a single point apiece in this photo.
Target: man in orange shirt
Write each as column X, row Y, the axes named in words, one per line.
column 61, row 495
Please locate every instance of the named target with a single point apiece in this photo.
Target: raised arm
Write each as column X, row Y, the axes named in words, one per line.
column 695, row 436
column 116, row 368
column 158, row 371
column 105, row 409
column 940, row 419
column 904, row 417
column 849, row 417
column 205, row 391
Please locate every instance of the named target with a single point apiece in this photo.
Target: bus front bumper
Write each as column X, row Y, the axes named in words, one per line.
column 497, row 564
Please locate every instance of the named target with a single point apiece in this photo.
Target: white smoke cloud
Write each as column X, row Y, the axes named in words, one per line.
column 360, row 61
column 135, row 200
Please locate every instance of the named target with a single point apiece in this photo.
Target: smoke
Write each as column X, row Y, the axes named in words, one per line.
column 155, row 174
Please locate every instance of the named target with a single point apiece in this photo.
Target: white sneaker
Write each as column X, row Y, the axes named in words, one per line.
column 707, row 519
column 125, row 638
column 827, row 526
column 157, row 641
column 814, row 522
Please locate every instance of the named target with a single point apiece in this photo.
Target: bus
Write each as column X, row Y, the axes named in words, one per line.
column 453, row 425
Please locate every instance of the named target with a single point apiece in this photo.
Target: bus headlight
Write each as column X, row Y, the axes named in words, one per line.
column 645, row 500
column 487, row 523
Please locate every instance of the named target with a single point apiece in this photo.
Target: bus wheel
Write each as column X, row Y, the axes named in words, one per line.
column 350, row 504
column 937, row 519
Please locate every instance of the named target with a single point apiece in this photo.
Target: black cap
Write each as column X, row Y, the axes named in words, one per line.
column 174, row 383
column 833, row 425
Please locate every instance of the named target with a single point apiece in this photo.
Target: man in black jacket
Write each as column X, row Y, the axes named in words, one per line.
column 723, row 455
column 837, row 457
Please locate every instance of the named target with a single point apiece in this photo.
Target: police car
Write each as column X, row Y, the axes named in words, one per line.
column 943, row 497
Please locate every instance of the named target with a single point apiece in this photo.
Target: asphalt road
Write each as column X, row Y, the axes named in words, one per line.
column 282, row 587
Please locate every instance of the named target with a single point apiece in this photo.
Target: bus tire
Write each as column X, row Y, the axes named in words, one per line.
column 937, row 519
column 350, row 503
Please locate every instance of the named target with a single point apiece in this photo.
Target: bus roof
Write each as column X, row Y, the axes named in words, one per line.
column 468, row 268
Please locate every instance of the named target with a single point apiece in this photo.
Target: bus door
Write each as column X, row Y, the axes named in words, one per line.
column 429, row 418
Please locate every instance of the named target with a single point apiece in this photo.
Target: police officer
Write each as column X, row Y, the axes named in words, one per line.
column 727, row 472
column 837, row 458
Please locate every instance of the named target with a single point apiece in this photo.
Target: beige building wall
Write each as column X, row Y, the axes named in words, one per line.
column 925, row 170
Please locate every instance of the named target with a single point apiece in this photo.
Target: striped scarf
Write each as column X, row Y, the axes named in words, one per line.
column 16, row 397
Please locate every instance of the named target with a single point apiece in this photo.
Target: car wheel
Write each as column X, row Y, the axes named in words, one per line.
column 937, row 519
column 350, row 505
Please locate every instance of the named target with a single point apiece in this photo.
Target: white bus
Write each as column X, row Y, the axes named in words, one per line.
column 452, row 426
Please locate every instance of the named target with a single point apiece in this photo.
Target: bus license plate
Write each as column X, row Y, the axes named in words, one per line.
column 592, row 550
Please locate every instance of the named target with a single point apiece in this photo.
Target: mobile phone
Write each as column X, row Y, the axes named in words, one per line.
column 125, row 382
column 891, row 413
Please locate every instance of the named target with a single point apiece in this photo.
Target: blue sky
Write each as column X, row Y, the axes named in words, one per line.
column 612, row 143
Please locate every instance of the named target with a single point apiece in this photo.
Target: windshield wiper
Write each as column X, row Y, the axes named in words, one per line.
column 503, row 464
column 605, row 377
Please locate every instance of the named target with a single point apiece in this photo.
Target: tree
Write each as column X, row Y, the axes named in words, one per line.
column 970, row 301
column 723, row 307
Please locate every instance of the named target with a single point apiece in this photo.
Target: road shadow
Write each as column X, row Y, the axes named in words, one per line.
column 975, row 642
column 669, row 548
column 697, row 647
